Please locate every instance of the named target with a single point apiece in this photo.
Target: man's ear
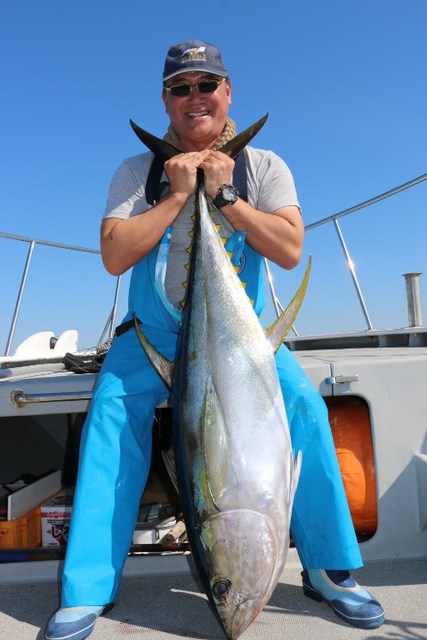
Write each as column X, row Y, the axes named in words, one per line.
column 165, row 100
column 228, row 88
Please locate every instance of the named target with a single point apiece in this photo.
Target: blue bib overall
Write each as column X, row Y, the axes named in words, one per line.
column 115, row 449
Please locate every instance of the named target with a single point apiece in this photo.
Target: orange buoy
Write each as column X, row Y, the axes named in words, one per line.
column 351, row 429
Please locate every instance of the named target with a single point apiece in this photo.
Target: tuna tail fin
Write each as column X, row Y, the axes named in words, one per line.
column 234, row 146
column 165, row 150
column 280, row 328
column 159, row 147
column 162, row 365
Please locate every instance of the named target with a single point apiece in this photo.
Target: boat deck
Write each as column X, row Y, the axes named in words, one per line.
column 164, row 602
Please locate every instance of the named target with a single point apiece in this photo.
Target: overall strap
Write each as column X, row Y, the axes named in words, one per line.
column 240, row 175
column 153, row 186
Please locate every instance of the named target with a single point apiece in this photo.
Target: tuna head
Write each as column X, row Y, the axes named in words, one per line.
column 243, row 561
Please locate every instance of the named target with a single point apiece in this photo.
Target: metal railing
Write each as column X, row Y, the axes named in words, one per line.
column 32, row 243
column 413, row 289
column 110, row 324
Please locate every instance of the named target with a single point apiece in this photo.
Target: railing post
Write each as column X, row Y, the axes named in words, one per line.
column 353, row 274
column 19, row 299
column 111, row 322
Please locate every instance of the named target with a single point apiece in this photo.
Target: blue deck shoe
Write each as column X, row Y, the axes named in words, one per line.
column 348, row 600
column 73, row 623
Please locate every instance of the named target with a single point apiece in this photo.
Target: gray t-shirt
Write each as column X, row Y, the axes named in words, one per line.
column 270, row 187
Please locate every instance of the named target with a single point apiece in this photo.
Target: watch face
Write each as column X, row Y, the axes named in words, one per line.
column 228, row 193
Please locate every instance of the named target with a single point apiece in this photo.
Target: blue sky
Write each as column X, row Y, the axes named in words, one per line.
column 344, row 82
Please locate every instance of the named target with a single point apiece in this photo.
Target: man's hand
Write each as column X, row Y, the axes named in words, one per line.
column 218, row 170
column 181, row 171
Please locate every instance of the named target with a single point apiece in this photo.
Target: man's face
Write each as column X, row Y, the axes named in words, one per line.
column 198, row 118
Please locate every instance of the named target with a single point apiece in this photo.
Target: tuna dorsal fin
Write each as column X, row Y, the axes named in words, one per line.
column 280, row 328
column 162, row 365
column 233, row 147
column 162, row 149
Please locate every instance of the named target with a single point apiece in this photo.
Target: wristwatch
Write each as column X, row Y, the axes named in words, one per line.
column 227, row 194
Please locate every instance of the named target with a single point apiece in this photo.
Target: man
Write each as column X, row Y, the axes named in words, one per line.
column 151, row 236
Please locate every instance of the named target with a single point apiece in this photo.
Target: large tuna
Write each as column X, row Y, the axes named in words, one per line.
column 234, row 460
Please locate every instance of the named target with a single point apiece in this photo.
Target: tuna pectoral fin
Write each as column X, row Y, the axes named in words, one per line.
column 280, row 329
column 220, row 476
column 163, row 366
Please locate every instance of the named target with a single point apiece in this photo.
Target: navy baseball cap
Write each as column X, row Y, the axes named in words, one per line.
column 193, row 55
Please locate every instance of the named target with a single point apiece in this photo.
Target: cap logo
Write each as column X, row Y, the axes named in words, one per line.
column 195, row 54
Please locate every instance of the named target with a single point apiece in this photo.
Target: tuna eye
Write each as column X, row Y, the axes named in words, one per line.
column 221, row 588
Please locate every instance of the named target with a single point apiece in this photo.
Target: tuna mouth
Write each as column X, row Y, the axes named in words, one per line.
column 241, row 620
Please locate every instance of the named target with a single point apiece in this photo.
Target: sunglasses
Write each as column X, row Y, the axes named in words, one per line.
column 204, row 86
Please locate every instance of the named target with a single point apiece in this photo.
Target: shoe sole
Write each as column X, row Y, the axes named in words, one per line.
column 360, row 623
column 89, row 628
column 73, row 636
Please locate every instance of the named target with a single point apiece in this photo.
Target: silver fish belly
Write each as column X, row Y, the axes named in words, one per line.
column 237, row 451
